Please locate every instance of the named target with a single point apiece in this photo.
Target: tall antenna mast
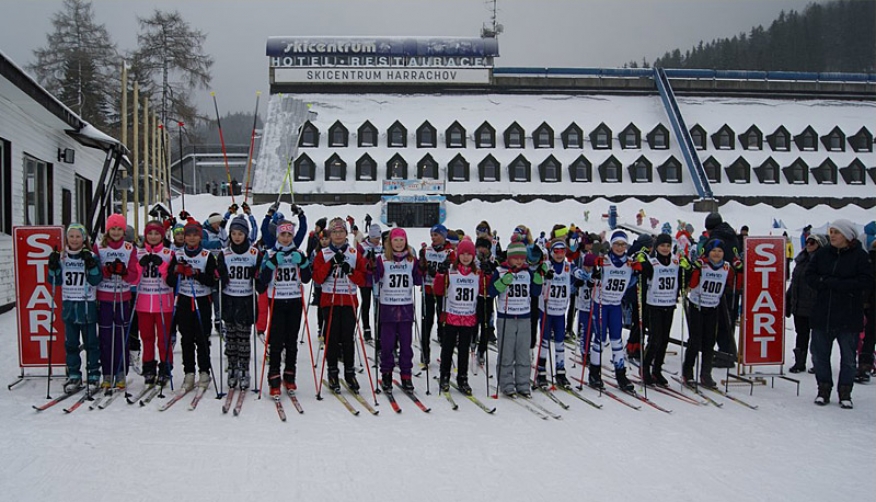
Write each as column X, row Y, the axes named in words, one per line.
column 493, row 29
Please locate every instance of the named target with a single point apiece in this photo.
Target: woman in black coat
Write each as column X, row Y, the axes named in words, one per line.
column 800, row 299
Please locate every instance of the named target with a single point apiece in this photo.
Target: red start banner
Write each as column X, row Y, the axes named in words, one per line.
column 763, row 328
column 33, row 293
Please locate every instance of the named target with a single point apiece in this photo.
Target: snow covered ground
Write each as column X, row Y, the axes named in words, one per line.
column 788, row 449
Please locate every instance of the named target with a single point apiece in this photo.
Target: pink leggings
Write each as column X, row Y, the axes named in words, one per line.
column 154, row 326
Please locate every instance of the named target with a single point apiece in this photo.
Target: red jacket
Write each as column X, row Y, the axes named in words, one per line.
column 322, row 274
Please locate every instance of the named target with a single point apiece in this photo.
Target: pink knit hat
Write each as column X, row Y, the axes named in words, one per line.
column 465, row 247
column 398, row 232
column 116, row 221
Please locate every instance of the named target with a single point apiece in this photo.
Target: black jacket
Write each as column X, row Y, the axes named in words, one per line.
column 800, row 297
column 729, row 240
column 842, row 279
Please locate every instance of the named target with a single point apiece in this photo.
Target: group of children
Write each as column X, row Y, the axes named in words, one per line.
column 187, row 271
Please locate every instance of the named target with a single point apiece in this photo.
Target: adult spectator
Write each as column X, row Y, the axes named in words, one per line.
column 842, row 276
column 800, row 300
column 868, row 345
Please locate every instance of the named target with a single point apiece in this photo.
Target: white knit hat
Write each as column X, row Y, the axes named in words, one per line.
column 845, row 227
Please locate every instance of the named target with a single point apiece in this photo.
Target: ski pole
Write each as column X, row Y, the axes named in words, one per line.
column 327, row 335
column 167, row 335
column 639, row 302
column 254, row 333
column 541, row 336
column 255, row 120
column 221, row 339
column 203, row 336
column 224, row 153
column 501, row 348
column 367, row 366
column 306, row 310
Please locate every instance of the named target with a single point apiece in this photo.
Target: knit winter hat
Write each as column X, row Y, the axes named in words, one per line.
column 821, row 239
column 116, row 221
column 178, row 229
column 662, row 239
column 712, row 244
column 619, row 236
column 465, row 246
column 439, row 229
column 483, row 243
column 374, row 231
column 77, row 227
column 214, row 219
column 321, row 223
column 153, row 225
column 589, row 260
column 337, row 224
column 239, row 223
column 557, row 243
column 713, row 220
column 452, row 237
column 193, row 227
column 398, row 232
column 516, row 248
column 845, row 227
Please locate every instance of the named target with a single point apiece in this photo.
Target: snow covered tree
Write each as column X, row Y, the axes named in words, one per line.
column 78, row 62
column 171, row 55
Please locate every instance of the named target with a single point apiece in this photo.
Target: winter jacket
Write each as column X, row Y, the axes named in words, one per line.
column 729, row 240
column 800, row 298
column 397, row 313
column 842, row 279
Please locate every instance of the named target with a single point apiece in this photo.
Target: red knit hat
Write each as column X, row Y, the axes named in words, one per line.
column 116, row 221
column 465, row 246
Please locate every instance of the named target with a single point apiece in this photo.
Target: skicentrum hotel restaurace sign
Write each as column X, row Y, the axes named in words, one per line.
column 379, row 60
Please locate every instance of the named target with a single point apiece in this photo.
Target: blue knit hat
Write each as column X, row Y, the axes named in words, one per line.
column 239, row 223
column 619, row 236
column 439, row 229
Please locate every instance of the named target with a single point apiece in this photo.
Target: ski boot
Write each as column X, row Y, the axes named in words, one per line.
column 163, row 374
column 823, row 397
column 204, row 380
column 243, row 379
column 541, row 380
column 407, row 384
column 594, row 377
column 232, row 378
column 121, row 382
column 862, row 374
column 93, row 384
column 367, row 334
column 444, row 383
column 107, row 383
column 659, row 379
column 706, row 380
column 647, row 377
column 73, row 384
column 562, row 381
column 620, row 374
column 799, row 362
column 149, row 376
column 845, row 396
column 135, row 362
column 274, row 385
column 464, row 387
column 333, row 382
column 386, row 382
column 289, row 381
column 352, row 383
column 188, row 382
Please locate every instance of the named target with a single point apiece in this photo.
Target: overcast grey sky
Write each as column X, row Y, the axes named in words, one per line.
column 581, row 33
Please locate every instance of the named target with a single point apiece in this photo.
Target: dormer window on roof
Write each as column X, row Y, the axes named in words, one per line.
column 335, row 168
column 826, row 173
column 550, row 170
column 853, row 174
column 338, row 135
column 834, row 141
column 640, row 170
column 543, row 136
column 797, row 173
column 455, row 135
column 397, row 168
column 309, row 135
column 768, row 172
column 427, row 136
column 489, row 169
column 752, row 139
column 630, row 137
column 305, row 169
column 581, row 171
column 862, row 141
column 600, row 138
column 397, row 135
column 780, row 140
column 713, row 170
column 458, row 169
column 427, row 168
column 515, row 137
column 520, row 169
column 485, row 136
column 658, row 138
column 610, row 171
column 367, row 135
column 366, row 168
column 572, row 136
column 807, row 141
column 724, row 139
column 698, row 137
column 670, row 171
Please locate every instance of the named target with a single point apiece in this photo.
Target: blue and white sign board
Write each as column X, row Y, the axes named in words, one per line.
column 428, row 186
column 386, row 200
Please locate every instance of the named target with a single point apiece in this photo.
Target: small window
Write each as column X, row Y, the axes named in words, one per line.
column 660, row 140
column 427, row 168
column 83, row 197
column 580, row 170
column 485, row 136
column 673, row 173
column 458, row 170
column 573, row 140
column 520, row 169
column 797, row 173
column 490, row 169
column 724, row 140
column 365, row 169
column 835, row 143
column 396, row 168
column 853, row 174
column 611, row 172
column 602, row 139
column 641, row 171
column 305, row 169
column 630, row 139
column 426, row 136
column 398, row 136
column 309, row 135
column 808, row 142
column 543, row 136
column 514, row 136
column 335, row 171
column 38, row 192
column 544, row 139
column 455, row 136
column 338, row 135
column 551, row 172
column 713, row 170
column 781, row 142
column 367, row 135
column 770, row 175
column 753, row 140
column 698, row 137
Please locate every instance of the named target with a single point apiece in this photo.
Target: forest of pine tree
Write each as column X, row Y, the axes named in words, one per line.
column 838, row 36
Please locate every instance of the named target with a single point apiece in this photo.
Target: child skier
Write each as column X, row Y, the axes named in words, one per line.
column 553, row 306
column 238, row 265
column 584, row 301
column 486, row 332
column 155, row 305
column 707, row 281
column 514, row 284
column 459, row 289
column 78, row 273
column 370, row 248
column 284, row 269
column 661, row 275
column 118, row 261
column 192, row 272
column 614, row 273
column 440, row 251
column 397, row 273
column 339, row 268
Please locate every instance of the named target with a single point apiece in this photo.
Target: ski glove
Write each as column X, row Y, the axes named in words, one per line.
column 184, row 215
column 233, row 208
column 273, row 209
column 88, row 258
column 345, row 268
column 737, row 263
column 549, row 275
column 119, row 268
column 185, row 270
column 443, row 267
column 54, row 261
column 684, row 263
column 296, row 210
column 246, row 209
column 507, row 279
column 636, row 265
column 275, row 260
column 339, row 258
column 295, row 258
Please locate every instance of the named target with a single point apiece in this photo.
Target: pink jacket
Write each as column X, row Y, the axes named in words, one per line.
column 153, row 294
